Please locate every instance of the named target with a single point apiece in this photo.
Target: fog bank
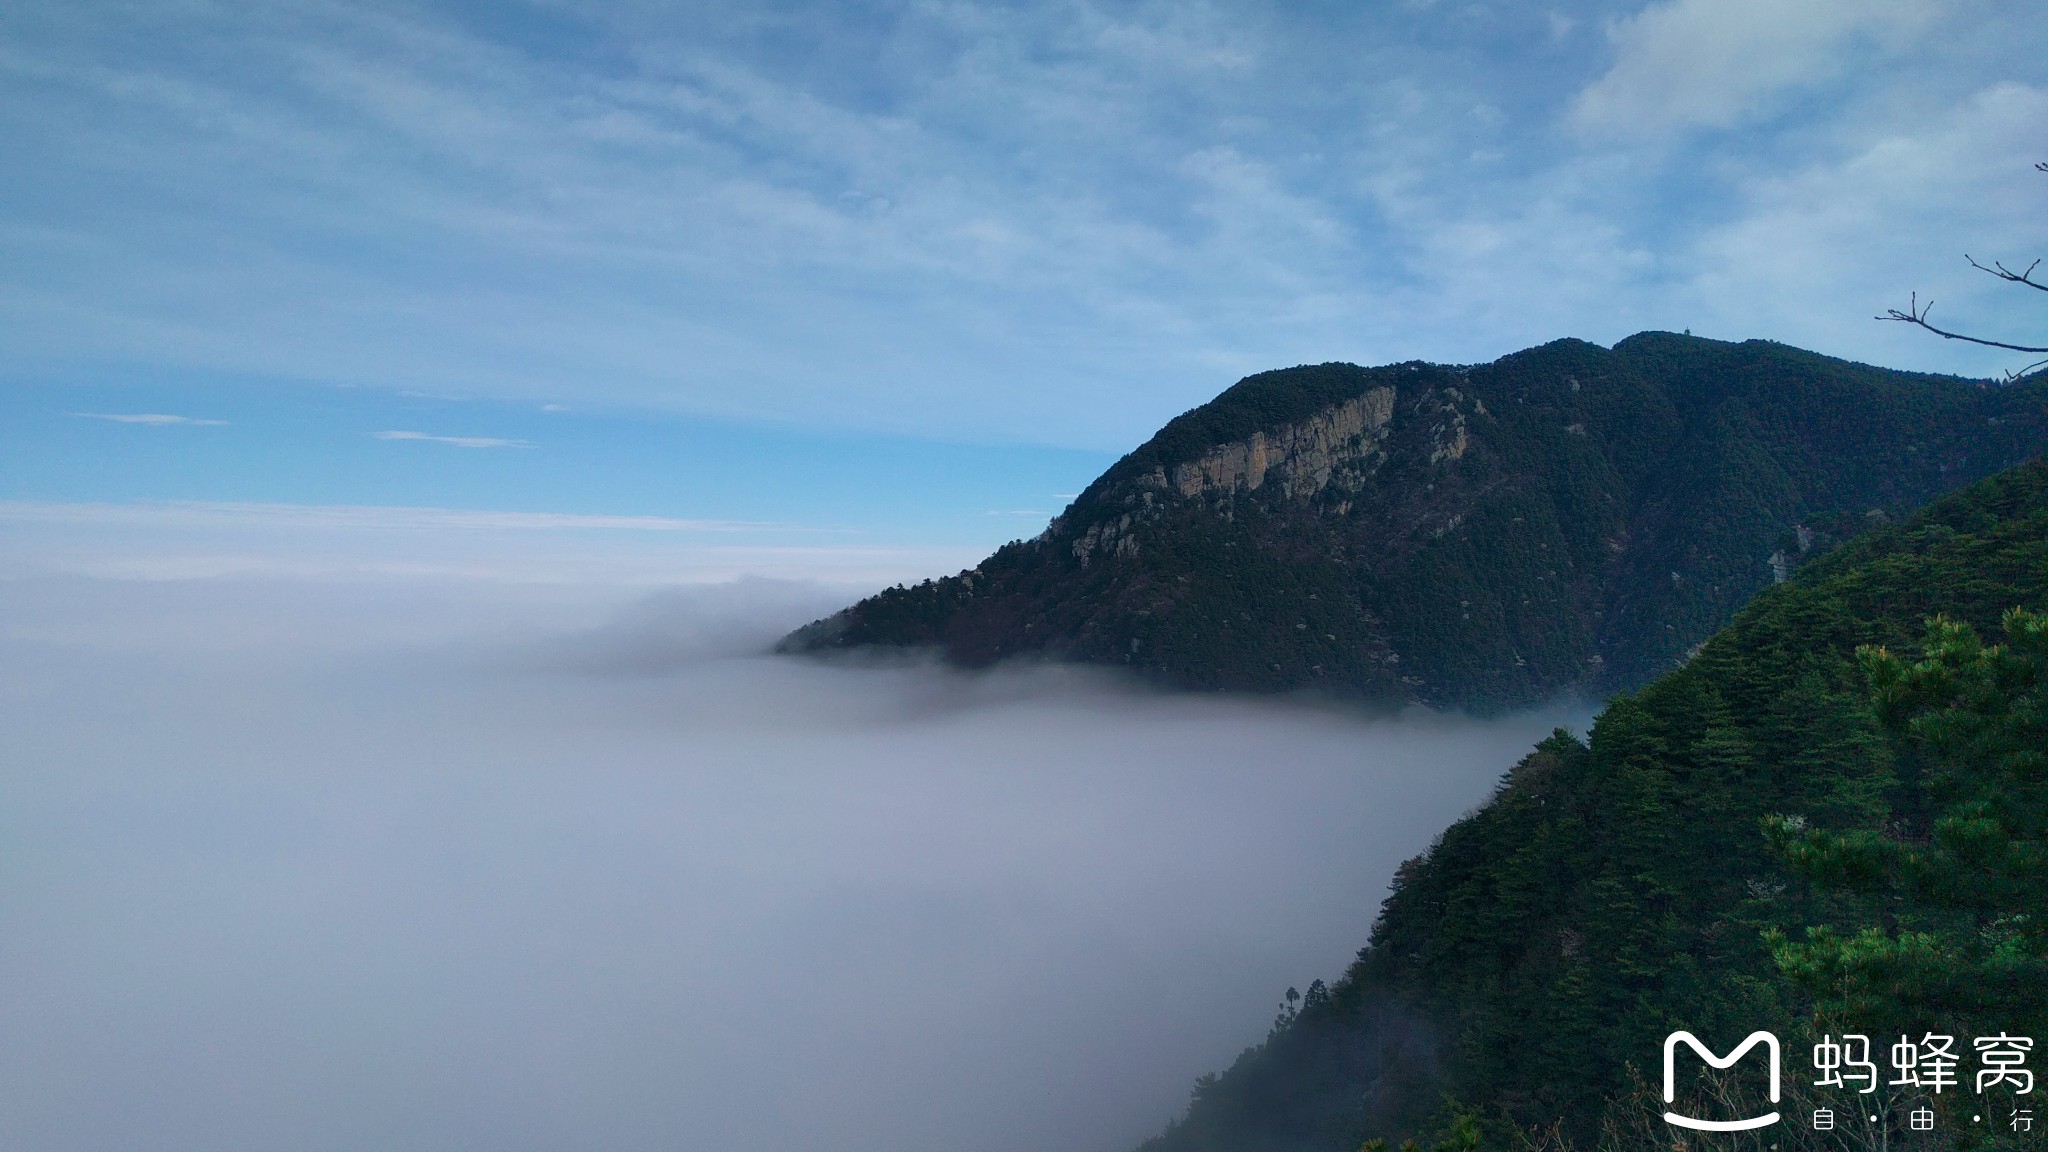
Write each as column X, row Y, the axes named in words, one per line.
column 452, row 864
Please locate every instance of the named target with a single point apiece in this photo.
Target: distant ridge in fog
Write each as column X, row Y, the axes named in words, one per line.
column 1570, row 517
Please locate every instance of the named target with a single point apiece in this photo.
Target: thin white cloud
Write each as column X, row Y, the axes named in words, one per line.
column 153, row 419
column 422, row 547
column 458, row 441
column 202, row 514
column 1712, row 63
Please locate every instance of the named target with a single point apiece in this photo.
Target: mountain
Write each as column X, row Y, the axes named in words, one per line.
column 1570, row 517
column 1619, row 888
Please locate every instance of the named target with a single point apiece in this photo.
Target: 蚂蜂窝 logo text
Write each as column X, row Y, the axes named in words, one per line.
column 1928, row 1067
column 1671, row 1043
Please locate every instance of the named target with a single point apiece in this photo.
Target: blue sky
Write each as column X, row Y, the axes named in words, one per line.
column 918, row 270
column 246, row 441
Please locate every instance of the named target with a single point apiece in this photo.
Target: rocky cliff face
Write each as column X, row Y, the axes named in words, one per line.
column 1342, row 445
column 1342, row 442
column 1571, row 518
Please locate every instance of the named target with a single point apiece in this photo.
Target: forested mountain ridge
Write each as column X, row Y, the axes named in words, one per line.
column 1568, row 517
column 1670, row 872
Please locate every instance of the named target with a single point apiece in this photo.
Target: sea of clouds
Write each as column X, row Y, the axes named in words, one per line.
column 399, row 855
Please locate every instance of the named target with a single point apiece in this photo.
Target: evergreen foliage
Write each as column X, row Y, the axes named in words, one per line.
column 1833, row 814
column 1959, row 875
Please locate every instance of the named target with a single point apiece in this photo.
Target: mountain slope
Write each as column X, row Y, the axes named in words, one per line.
column 1617, row 889
column 1566, row 517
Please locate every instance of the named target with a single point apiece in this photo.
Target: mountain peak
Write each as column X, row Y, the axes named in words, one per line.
column 1566, row 518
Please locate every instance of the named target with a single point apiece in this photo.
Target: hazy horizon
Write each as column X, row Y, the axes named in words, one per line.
column 361, row 858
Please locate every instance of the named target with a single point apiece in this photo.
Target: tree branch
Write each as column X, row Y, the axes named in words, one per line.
column 1999, row 270
column 1916, row 313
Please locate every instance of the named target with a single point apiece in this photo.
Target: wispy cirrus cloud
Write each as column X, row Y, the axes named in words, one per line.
column 457, row 441
column 1713, row 63
column 152, row 419
column 964, row 220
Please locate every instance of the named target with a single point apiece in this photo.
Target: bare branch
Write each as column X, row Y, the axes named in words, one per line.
column 1916, row 313
column 1999, row 270
column 2029, row 370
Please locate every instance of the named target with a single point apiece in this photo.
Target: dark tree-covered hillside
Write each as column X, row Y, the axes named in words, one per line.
column 1569, row 518
column 1830, row 818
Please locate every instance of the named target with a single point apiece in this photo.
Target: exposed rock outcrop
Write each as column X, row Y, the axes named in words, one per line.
column 1301, row 457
